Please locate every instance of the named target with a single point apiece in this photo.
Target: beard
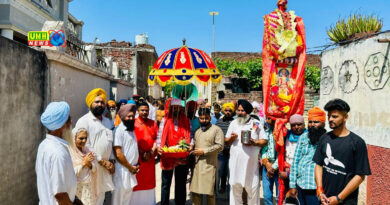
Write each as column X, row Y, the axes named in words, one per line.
column 67, row 135
column 334, row 125
column 242, row 119
column 97, row 111
column 205, row 124
column 113, row 114
column 129, row 124
column 315, row 134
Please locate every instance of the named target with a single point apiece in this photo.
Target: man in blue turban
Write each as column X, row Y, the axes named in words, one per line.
column 56, row 179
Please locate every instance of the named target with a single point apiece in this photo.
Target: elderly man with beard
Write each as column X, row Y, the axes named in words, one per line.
column 111, row 112
column 56, row 180
column 126, row 153
column 341, row 159
column 302, row 180
column 243, row 162
column 99, row 140
column 208, row 141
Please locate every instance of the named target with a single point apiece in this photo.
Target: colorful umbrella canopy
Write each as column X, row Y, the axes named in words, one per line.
column 182, row 65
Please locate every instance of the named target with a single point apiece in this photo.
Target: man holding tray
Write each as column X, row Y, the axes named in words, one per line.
column 175, row 129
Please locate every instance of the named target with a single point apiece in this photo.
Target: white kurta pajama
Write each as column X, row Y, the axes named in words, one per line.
column 100, row 142
column 124, row 180
column 54, row 170
column 243, row 162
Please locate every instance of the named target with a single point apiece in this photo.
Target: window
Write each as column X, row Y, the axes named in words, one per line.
column 48, row 2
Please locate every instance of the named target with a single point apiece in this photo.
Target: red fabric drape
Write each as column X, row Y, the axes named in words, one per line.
column 146, row 133
column 297, row 101
column 171, row 137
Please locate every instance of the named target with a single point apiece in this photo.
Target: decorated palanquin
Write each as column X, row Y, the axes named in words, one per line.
column 284, row 57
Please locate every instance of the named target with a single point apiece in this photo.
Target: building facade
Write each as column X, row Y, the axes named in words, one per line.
column 359, row 73
column 18, row 17
column 132, row 62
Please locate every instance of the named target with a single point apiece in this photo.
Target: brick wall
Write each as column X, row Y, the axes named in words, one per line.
column 311, row 97
column 122, row 56
column 252, row 96
column 378, row 183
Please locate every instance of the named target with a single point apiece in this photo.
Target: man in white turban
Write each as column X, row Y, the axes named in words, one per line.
column 56, row 179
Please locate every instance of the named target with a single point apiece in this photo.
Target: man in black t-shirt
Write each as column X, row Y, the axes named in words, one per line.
column 341, row 159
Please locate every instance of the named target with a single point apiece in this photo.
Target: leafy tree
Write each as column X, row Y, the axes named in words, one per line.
column 253, row 71
column 168, row 89
column 313, row 77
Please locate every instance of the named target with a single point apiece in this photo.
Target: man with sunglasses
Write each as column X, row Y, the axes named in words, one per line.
column 302, row 180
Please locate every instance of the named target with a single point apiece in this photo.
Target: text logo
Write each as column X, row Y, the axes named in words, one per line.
column 47, row 38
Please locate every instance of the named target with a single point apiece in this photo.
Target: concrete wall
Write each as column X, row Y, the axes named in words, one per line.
column 22, row 89
column 358, row 73
column 123, row 90
column 71, row 80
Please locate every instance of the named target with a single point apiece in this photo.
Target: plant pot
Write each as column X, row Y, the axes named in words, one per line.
column 360, row 36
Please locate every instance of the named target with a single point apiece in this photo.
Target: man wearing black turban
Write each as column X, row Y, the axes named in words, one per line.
column 245, row 156
column 246, row 105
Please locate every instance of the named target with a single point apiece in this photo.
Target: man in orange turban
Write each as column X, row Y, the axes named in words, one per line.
column 316, row 114
column 316, row 126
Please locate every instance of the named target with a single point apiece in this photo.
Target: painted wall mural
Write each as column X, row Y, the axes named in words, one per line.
column 327, row 80
column 376, row 71
column 348, row 76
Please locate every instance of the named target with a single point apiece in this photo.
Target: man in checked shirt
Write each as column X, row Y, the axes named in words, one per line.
column 302, row 180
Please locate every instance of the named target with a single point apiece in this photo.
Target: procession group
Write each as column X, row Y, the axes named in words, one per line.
column 113, row 150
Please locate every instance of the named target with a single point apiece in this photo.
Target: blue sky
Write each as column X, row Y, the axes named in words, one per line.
column 239, row 26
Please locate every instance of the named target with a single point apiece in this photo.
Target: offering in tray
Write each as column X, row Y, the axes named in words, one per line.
column 178, row 151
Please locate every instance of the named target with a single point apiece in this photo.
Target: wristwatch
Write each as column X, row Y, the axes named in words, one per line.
column 339, row 200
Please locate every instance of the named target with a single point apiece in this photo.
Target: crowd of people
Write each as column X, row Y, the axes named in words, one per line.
column 113, row 150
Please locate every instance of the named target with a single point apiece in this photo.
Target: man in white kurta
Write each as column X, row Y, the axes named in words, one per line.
column 56, row 179
column 126, row 152
column 243, row 162
column 99, row 140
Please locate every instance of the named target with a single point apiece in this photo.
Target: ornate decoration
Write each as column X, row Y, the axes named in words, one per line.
column 327, row 80
column 348, row 76
column 376, row 71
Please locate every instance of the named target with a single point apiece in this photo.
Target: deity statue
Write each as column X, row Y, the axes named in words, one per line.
column 283, row 54
column 284, row 57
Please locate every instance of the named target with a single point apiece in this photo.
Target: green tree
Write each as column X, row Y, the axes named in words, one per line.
column 168, row 89
column 313, row 77
column 253, row 71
